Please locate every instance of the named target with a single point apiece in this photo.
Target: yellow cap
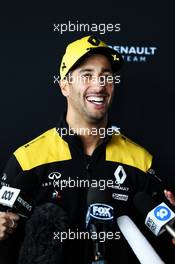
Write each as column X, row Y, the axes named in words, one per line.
column 78, row 50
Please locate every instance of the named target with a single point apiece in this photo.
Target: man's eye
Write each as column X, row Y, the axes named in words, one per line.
column 87, row 75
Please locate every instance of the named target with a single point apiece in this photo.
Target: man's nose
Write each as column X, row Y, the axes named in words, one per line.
column 99, row 83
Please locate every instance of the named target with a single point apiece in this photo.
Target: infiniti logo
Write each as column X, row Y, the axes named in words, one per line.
column 4, row 177
column 54, row 175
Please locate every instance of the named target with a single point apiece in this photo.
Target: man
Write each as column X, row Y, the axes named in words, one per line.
column 76, row 150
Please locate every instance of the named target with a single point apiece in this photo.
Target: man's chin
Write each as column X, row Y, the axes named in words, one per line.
column 96, row 119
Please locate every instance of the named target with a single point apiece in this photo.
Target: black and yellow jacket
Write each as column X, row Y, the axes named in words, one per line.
column 41, row 165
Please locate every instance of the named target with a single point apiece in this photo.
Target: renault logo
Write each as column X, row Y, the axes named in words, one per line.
column 120, row 175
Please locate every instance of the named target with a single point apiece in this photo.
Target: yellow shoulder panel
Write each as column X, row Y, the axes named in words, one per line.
column 48, row 147
column 123, row 150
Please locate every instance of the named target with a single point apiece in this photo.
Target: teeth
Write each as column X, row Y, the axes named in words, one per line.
column 95, row 99
column 97, row 103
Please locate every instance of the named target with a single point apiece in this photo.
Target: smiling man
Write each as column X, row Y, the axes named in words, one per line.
column 87, row 89
column 87, row 79
column 88, row 99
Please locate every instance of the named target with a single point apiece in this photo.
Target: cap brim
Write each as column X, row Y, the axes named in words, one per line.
column 116, row 65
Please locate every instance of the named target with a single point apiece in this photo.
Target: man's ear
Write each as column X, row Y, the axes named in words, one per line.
column 64, row 85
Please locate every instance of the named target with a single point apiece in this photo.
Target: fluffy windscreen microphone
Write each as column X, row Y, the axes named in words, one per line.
column 41, row 244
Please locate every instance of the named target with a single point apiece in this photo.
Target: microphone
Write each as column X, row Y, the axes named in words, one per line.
column 42, row 243
column 100, row 207
column 163, row 183
column 159, row 218
column 17, row 200
column 139, row 244
column 22, row 195
column 99, row 218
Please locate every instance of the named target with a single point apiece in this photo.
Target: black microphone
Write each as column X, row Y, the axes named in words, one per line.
column 42, row 243
column 163, row 183
column 22, row 194
column 159, row 218
column 16, row 200
column 99, row 218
